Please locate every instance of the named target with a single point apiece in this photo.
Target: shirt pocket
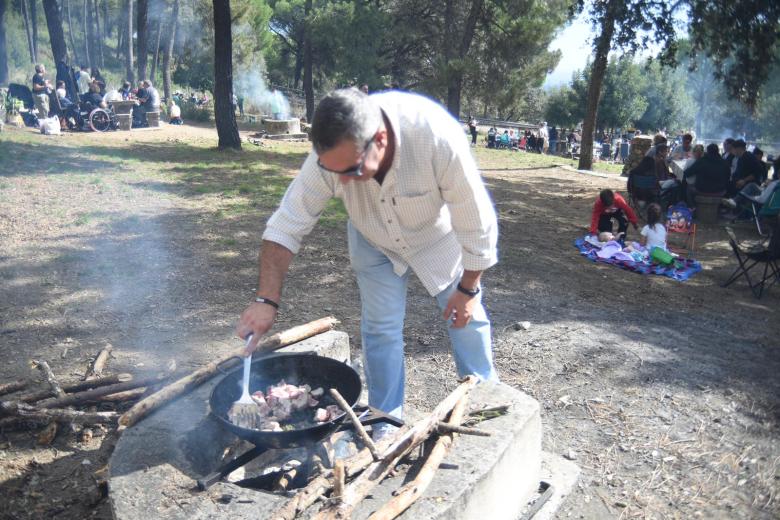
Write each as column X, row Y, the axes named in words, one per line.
column 418, row 212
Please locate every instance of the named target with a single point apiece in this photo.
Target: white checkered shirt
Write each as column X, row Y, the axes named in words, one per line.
column 431, row 213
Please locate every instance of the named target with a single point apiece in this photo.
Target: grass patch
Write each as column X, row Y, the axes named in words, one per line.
column 334, row 214
column 491, row 159
column 83, row 219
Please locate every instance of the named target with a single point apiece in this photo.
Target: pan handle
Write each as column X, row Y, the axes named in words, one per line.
column 369, row 415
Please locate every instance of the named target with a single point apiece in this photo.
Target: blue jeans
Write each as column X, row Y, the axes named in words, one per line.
column 383, row 302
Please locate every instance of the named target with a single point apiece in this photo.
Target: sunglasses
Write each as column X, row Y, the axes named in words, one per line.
column 354, row 171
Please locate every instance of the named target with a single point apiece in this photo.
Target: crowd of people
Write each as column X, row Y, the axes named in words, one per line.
column 91, row 93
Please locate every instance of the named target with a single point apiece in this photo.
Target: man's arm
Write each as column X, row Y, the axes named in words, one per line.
column 259, row 317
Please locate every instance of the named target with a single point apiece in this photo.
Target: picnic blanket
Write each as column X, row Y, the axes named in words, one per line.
column 680, row 270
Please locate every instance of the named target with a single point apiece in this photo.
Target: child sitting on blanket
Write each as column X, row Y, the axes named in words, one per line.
column 654, row 233
column 608, row 207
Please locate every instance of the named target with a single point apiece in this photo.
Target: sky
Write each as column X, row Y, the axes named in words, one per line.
column 575, row 44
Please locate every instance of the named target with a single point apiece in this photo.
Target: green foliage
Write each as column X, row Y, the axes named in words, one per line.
column 622, row 101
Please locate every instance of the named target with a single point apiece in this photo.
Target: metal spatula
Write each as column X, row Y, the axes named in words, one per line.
column 244, row 412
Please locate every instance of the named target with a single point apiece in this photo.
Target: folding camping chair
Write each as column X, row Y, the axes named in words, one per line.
column 770, row 209
column 642, row 190
column 679, row 221
column 748, row 258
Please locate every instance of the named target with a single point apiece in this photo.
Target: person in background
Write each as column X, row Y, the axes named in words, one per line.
column 729, row 157
column 654, row 232
column 364, row 88
column 240, row 101
column 608, row 207
column 472, row 129
column 125, row 90
column 658, row 139
column 708, row 176
column 62, row 95
column 83, row 79
column 553, row 140
column 685, row 150
column 94, row 98
column 541, row 142
column 174, row 114
column 41, row 89
column 491, row 137
column 749, row 169
column 759, row 153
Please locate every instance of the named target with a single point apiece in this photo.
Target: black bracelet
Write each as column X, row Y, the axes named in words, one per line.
column 468, row 292
column 272, row 303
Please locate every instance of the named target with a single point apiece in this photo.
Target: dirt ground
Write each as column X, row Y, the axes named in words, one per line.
column 665, row 393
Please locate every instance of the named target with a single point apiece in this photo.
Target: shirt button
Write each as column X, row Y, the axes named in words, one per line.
column 381, row 200
column 389, row 221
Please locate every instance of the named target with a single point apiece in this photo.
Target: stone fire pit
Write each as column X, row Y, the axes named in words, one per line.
column 155, row 465
column 283, row 129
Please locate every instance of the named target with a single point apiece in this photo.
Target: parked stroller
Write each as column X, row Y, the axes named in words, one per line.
column 23, row 94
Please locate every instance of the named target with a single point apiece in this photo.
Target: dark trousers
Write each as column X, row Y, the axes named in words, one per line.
column 605, row 221
column 473, row 136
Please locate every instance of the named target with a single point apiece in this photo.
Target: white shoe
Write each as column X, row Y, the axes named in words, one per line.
column 730, row 203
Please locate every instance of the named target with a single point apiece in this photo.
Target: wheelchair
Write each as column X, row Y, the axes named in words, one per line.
column 84, row 116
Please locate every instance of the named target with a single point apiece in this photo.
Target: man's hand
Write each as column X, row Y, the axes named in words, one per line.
column 739, row 184
column 459, row 309
column 257, row 319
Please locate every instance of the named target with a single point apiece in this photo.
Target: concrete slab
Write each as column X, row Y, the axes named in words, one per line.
column 156, row 463
column 562, row 474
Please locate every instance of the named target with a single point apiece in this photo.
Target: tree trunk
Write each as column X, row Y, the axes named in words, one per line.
column 3, row 44
column 455, row 72
column 603, row 44
column 28, row 30
column 98, row 34
column 120, row 33
column 70, row 33
column 106, row 21
column 128, row 43
column 169, row 51
column 34, row 25
column 308, row 84
column 155, row 60
column 59, row 49
column 89, row 35
column 143, row 11
column 224, row 115
column 298, row 68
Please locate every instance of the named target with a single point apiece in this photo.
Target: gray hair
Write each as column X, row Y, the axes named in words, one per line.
column 38, row 68
column 345, row 114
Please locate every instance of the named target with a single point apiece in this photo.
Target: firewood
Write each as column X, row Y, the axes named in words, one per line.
column 445, row 427
column 14, row 386
column 409, row 493
column 120, row 397
column 27, row 413
column 196, row 378
column 377, row 471
column 285, row 480
column 96, row 370
column 96, row 393
column 48, row 434
column 338, row 480
column 44, row 367
column 323, row 483
column 76, row 387
column 355, row 422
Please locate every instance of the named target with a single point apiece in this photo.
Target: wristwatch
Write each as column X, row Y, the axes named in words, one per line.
column 469, row 292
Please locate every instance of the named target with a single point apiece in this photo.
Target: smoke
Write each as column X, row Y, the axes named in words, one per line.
column 250, row 85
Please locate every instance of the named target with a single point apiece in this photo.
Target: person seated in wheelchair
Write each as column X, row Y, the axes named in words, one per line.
column 62, row 95
column 93, row 99
column 608, row 207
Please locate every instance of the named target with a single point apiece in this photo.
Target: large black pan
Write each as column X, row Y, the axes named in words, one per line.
column 297, row 369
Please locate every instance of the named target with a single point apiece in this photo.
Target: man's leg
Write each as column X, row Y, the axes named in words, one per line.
column 383, row 303
column 621, row 220
column 605, row 223
column 471, row 345
column 42, row 104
